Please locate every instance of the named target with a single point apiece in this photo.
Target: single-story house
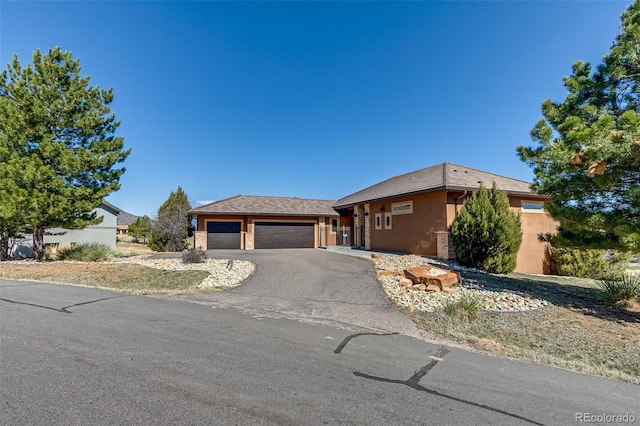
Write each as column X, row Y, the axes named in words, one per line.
column 410, row 213
column 104, row 233
column 124, row 220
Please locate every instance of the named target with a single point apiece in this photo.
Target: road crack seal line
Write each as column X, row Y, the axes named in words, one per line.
column 353, row 336
column 413, row 383
column 63, row 310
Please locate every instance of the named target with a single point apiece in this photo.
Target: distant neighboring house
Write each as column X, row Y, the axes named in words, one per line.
column 124, row 220
column 410, row 213
column 104, row 233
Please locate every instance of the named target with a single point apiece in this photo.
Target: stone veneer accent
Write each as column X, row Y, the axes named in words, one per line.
column 248, row 240
column 367, row 227
column 358, row 213
column 200, row 241
column 445, row 246
column 322, row 230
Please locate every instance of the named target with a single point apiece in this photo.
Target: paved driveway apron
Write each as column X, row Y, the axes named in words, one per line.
column 312, row 286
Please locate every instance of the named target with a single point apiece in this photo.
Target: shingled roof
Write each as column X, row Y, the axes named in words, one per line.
column 270, row 206
column 445, row 176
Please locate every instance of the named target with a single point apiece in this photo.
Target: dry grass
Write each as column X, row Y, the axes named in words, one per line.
column 125, row 278
column 576, row 332
column 131, row 249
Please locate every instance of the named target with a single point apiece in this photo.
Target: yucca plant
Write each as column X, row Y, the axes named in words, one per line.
column 467, row 308
column 619, row 290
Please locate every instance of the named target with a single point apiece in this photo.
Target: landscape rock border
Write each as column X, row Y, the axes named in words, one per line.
column 390, row 267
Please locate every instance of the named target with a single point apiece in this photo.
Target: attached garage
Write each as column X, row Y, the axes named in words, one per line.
column 250, row 222
column 278, row 235
column 223, row 235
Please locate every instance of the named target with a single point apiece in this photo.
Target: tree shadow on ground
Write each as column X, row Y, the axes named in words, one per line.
column 567, row 292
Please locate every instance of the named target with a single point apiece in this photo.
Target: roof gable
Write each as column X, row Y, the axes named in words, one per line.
column 444, row 176
column 272, row 206
column 110, row 208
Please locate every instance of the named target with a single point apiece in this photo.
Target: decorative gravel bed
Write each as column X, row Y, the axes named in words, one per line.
column 389, row 268
column 223, row 273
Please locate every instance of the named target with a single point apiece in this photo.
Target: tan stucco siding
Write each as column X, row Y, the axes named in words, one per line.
column 531, row 256
column 413, row 232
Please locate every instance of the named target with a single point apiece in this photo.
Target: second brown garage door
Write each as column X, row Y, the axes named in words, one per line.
column 275, row 235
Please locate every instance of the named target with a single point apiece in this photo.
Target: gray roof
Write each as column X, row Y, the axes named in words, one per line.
column 271, row 206
column 125, row 218
column 110, row 207
column 445, row 176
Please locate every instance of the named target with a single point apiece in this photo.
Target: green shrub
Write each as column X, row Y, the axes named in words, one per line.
column 486, row 233
column 619, row 290
column 89, row 252
column 586, row 263
column 194, row 256
column 467, row 308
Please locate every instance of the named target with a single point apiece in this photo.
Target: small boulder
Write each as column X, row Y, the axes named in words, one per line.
column 420, row 287
column 406, row 282
column 432, row 275
column 376, row 255
column 433, row 287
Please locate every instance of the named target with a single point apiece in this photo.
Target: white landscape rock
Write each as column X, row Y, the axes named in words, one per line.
column 495, row 300
column 223, row 273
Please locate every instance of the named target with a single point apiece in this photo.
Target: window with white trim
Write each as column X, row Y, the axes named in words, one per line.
column 405, row 207
column 378, row 223
column 387, row 220
column 532, row 206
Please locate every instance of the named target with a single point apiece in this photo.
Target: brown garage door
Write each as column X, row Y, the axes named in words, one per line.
column 223, row 235
column 275, row 235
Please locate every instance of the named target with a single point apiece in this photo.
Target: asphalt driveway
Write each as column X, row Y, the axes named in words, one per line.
column 312, row 286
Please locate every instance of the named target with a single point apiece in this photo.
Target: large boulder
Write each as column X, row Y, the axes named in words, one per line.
column 430, row 275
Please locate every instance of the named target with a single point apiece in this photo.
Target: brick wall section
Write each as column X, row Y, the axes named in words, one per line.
column 367, row 227
column 446, row 248
column 201, row 240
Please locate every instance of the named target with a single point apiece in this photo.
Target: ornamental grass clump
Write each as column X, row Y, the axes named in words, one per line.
column 619, row 290
column 87, row 252
column 469, row 307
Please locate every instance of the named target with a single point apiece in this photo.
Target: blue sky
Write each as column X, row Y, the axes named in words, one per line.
column 314, row 99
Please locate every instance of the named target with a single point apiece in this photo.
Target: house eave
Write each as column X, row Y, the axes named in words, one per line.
column 448, row 188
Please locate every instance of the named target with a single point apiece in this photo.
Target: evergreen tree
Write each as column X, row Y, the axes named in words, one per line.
column 588, row 153
column 140, row 229
column 173, row 225
column 486, row 234
column 58, row 150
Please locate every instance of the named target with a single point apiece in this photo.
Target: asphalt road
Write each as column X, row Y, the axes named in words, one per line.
column 72, row 355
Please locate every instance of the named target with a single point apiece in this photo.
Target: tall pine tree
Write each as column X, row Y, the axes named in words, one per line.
column 58, row 149
column 588, row 153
